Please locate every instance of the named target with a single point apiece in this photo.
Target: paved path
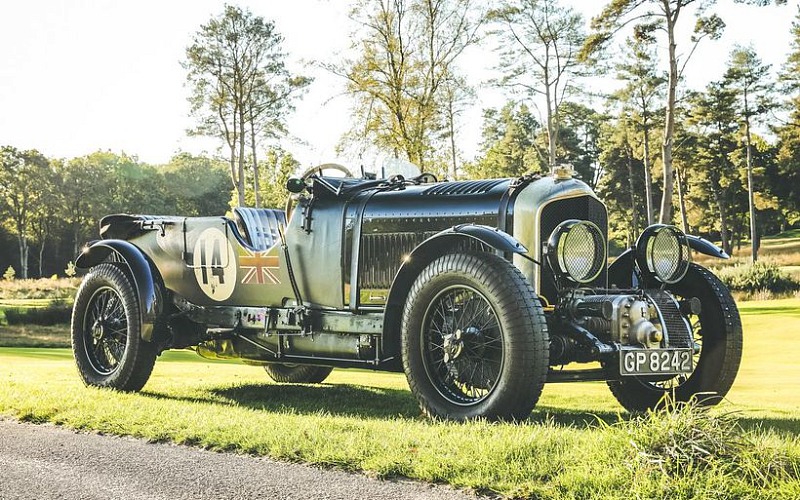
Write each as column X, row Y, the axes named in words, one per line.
column 44, row 461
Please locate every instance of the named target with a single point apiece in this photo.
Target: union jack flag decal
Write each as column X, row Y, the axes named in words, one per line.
column 259, row 268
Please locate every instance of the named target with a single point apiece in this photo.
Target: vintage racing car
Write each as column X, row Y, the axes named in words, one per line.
column 481, row 291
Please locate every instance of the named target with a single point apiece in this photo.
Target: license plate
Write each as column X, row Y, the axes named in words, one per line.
column 655, row 361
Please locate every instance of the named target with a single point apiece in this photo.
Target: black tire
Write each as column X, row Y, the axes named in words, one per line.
column 718, row 331
column 297, row 374
column 459, row 369
column 106, row 341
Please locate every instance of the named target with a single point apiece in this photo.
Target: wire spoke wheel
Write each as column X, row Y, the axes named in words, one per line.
column 717, row 340
column 474, row 339
column 462, row 347
column 105, row 330
column 106, row 333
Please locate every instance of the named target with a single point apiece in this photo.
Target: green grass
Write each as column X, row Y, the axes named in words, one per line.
column 576, row 444
column 791, row 233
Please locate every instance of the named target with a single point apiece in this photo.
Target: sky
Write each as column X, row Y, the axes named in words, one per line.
column 77, row 76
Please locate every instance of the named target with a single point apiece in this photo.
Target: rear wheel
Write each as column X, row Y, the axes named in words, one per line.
column 297, row 374
column 474, row 339
column 717, row 332
column 106, row 336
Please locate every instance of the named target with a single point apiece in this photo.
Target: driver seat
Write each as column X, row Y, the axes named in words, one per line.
column 259, row 226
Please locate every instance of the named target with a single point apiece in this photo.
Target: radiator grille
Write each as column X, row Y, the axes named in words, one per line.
column 677, row 329
column 556, row 212
column 382, row 255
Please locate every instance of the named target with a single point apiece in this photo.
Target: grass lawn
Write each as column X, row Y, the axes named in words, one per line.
column 577, row 444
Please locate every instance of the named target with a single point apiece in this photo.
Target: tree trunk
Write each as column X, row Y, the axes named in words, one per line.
column 724, row 233
column 255, row 162
column 648, row 181
column 750, row 194
column 665, row 216
column 241, row 141
column 41, row 256
column 23, row 257
column 551, row 134
column 451, row 124
column 632, row 185
column 682, row 202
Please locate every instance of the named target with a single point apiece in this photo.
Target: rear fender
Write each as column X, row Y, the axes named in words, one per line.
column 425, row 253
column 140, row 272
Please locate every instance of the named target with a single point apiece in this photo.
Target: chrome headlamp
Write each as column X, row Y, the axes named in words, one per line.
column 663, row 252
column 576, row 250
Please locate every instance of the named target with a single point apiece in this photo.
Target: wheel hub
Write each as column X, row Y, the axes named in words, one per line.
column 99, row 328
column 457, row 343
column 453, row 346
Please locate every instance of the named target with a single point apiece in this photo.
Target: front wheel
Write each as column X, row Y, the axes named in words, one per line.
column 106, row 340
column 297, row 374
column 717, row 332
column 474, row 339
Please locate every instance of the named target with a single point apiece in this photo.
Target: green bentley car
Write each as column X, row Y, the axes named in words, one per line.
column 480, row 291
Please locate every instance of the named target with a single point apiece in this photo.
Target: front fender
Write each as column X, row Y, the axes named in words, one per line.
column 427, row 251
column 140, row 272
column 620, row 272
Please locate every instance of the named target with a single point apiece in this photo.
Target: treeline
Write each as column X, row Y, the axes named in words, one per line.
column 51, row 207
column 723, row 161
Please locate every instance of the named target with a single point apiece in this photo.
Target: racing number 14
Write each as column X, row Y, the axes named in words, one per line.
column 216, row 262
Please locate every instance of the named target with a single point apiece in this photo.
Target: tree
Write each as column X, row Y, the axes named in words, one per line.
column 783, row 178
column 196, row 185
column 747, row 76
column 86, row 191
column 622, row 184
column 713, row 121
column 650, row 16
column 46, row 211
column 539, row 45
column 579, row 140
column 21, row 175
column 638, row 98
column 241, row 89
column 407, row 52
column 508, row 148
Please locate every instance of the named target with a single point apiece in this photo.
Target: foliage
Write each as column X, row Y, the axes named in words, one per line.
column 404, row 80
column 10, row 274
column 56, row 313
column 783, row 176
column 20, row 173
column 637, row 100
column 508, row 148
column 196, row 185
column 68, row 198
column 539, row 42
column 275, row 169
column 755, row 277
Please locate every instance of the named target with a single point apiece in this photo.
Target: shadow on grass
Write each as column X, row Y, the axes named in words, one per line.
column 380, row 403
column 338, row 400
column 361, row 402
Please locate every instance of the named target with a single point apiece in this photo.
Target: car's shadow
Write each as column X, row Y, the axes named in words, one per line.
column 383, row 403
column 360, row 401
